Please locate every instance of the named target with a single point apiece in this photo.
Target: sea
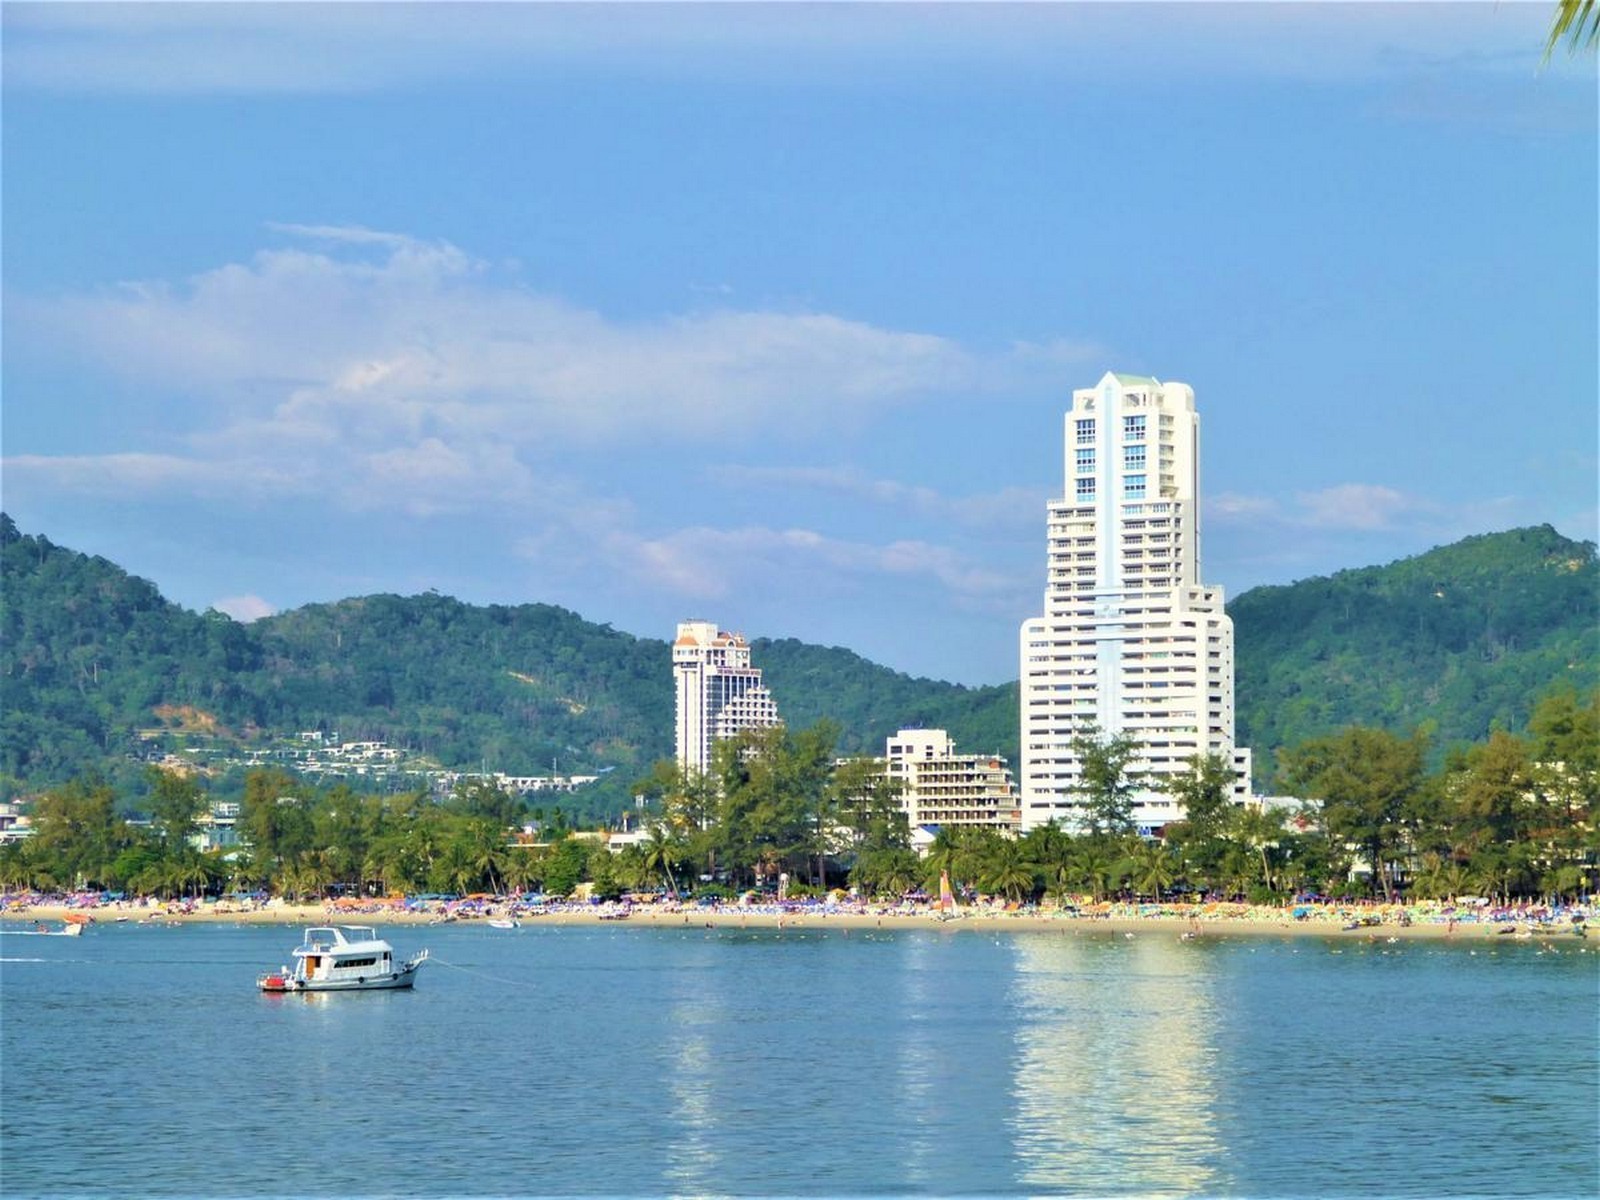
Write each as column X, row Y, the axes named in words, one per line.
column 618, row 1060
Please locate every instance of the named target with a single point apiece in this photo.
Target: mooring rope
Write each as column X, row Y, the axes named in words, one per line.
column 434, row 958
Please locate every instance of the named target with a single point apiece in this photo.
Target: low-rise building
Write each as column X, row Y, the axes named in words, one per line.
column 14, row 826
column 218, row 827
column 939, row 787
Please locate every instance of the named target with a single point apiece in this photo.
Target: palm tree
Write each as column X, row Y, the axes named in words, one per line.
column 1153, row 869
column 899, row 872
column 487, row 853
column 521, row 870
column 944, row 854
column 1429, row 880
column 661, row 850
column 1235, row 870
column 1006, row 870
column 1258, row 828
column 1577, row 22
column 1091, row 867
column 192, row 871
column 1563, row 881
column 14, row 867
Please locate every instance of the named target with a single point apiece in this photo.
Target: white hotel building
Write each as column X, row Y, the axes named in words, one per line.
column 1131, row 641
column 939, row 787
column 719, row 692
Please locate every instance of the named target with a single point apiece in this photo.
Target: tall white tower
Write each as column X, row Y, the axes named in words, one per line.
column 719, row 692
column 1131, row 642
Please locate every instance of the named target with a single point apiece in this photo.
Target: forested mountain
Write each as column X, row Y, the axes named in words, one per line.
column 91, row 656
column 1458, row 638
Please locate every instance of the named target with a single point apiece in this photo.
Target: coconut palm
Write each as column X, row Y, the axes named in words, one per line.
column 521, row 869
column 1091, row 867
column 1563, row 881
column 1577, row 22
column 661, row 849
column 1259, row 829
column 192, row 873
column 1455, row 880
column 1006, row 870
column 899, row 873
column 1153, row 869
column 944, row 855
column 15, row 870
column 1428, row 883
column 486, row 850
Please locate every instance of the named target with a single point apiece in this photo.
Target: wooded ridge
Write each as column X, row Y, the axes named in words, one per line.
column 98, row 667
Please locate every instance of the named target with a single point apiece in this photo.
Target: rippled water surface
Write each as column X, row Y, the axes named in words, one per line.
column 140, row 1061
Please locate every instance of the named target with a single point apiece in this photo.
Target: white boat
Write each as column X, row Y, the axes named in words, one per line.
column 343, row 958
column 69, row 929
column 504, row 923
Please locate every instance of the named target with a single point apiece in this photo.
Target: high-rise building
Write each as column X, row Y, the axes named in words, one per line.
column 1131, row 641
column 719, row 692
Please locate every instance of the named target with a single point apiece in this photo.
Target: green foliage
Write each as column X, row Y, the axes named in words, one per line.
column 1458, row 641
column 1577, row 23
column 99, row 671
column 96, row 666
column 1364, row 780
column 870, row 703
column 1106, row 786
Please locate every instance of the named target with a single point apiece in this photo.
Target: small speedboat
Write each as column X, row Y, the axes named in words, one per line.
column 504, row 923
column 343, row 958
column 70, row 928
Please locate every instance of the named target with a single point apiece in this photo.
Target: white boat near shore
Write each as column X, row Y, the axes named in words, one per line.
column 343, row 958
column 68, row 929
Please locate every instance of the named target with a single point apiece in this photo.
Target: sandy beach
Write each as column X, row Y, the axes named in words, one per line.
column 1233, row 921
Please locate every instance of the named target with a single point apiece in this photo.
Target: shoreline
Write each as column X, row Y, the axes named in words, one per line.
column 1256, row 923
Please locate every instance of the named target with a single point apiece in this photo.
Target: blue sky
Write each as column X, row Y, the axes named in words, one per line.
column 769, row 314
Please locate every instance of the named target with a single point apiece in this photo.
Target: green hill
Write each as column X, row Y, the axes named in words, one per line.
column 92, row 655
column 1460, row 638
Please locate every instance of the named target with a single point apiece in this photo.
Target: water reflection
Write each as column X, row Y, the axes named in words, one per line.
column 1115, row 1054
column 917, row 1058
column 694, row 1017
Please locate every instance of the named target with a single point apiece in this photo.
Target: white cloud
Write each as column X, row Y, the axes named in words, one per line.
column 422, row 331
column 1359, row 506
column 703, row 563
column 245, row 608
column 1365, row 508
column 387, row 370
column 1234, row 508
column 1010, row 507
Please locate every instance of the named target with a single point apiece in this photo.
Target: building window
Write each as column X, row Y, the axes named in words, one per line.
column 1133, row 487
column 1133, row 458
column 1086, row 487
column 1085, row 431
column 1085, row 461
column 1133, row 428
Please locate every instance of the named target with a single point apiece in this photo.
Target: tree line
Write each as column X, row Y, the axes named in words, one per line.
column 1512, row 818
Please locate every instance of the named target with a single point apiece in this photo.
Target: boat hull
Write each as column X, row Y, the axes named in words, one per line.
column 279, row 983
